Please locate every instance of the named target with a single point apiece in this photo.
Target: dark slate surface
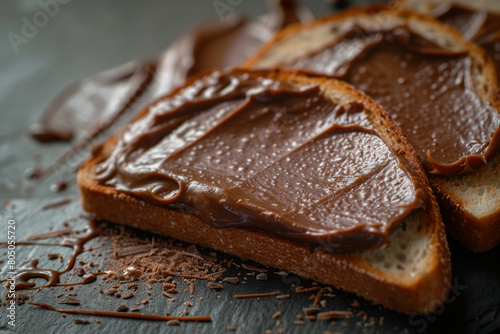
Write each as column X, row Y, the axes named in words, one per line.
column 87, row 36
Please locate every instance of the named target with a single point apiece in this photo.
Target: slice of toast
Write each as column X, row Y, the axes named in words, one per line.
column 411, row 273
column 470, row 203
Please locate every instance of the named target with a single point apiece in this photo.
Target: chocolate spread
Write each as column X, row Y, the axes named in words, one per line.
column 239, row 150
column 428, row 91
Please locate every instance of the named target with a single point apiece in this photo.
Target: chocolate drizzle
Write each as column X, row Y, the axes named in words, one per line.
column 30, row 269
column 125, row 315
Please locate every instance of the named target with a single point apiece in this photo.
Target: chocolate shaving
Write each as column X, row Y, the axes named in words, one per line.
column 127, row 296
column 257, row 295
column 318, row 297
column 310, row 310
column 213, row 285
column 277, row 315
column 53, row 234
column 249, row 267
column 261, row 277
column 122, row 308
column 330, row 315
column 300, row 290
column 53, row 256
column 283, row 296
column 56, row 204
column 80, row 321
column 233, row 280
column 133, row 250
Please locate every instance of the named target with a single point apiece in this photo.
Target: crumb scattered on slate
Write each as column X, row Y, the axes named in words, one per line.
column 173, row 322
column 122, row 308
column 81, row 322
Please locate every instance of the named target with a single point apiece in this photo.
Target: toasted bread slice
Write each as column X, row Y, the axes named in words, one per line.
column 470, row 203
column 410, row 273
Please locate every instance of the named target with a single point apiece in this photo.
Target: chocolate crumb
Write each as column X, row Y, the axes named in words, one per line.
column 330, row 315
column 249, row 267
column 276, row 315
column 111, row 291
column 122, row 308
column 310, row 310
column 81, row 322
column 64, row 315
column 233, row 280
column 135, row 309
column 283, row 296
column 173, row 322
column 98, row 321
column 188, row 303
column 213, row 285
column 80, row 271
column 323, row 303
column 311, row 317
column 261, row 277
column 299, row 322
column 144, row 302
column 53, row 256
column 127, row 296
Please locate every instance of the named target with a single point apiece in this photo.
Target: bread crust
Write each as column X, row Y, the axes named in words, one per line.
column 478, row 234
column 353, row 272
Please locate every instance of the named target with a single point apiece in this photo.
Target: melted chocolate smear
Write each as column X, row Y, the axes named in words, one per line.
column 90, row 106
column 30, row 269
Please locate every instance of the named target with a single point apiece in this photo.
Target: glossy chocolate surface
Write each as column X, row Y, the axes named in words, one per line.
column 429, row 91
column 240, row 150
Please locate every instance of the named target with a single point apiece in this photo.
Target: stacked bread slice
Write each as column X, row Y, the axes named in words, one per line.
column 470, row 202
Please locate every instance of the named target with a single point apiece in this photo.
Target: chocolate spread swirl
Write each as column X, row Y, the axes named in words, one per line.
column 240, row 150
